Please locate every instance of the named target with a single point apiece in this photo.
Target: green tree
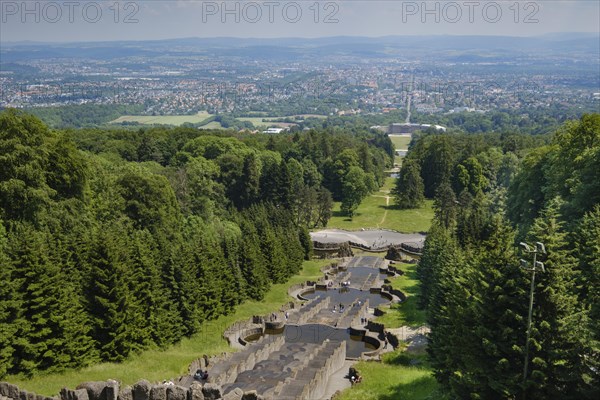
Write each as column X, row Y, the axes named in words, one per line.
column 10, row 305
column 490, row 333
column 445, row 205
column 409, row 187
column 108, row 295
column 437, row 164
column 559, row 329
column 23, row 160
column 587, row 248
column 355, row 188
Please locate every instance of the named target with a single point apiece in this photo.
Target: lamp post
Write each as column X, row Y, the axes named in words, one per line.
column 537, row 266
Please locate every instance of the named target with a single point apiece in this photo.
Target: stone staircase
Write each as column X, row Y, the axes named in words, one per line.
column 228, row 371
column 297, row 371
column 351, row 316
column 309, row 311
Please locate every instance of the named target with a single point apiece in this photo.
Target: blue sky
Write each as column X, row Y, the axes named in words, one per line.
column 84, row 20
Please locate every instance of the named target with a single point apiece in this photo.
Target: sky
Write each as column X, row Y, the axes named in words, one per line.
column 109, row 20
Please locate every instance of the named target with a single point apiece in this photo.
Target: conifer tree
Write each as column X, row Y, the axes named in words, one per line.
column 587, row 249
column 490, row 333
column 445, row 205
column 252, row 262
column 10, row 304
column 559, row 327
column 409, row 187
column 109, row 298
column 444, row 291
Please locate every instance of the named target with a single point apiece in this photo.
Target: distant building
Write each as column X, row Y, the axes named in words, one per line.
column 405, row 128
column 275, row 130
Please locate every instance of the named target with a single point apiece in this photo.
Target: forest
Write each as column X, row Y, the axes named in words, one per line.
column 492, row 192
column 114, row 241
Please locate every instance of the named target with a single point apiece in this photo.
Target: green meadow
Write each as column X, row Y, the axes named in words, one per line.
column 163, row 119
column 379, row 211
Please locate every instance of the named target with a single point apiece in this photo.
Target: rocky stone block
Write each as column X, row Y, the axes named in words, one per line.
column 126, row 393
column 195, row 392
column 111, row 391
column 141, row 390
column 158, row 392
column 251, row 395
column 9, row 390
column 176, row 393
column 211, row 391
column 99, row 390
column 235, row 394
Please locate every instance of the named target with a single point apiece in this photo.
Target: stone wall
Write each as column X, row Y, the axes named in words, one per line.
column 12, row 392
column 316, row 387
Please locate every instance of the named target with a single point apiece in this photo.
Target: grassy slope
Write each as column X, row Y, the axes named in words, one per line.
column 406, row 313
column 157, row 365
column 392, row 380
column 374, row 213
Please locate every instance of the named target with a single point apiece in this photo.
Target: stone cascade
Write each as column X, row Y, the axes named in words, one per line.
column 310, row 381
column 369, row 281
column 282, row 366
column 309, row 311
column 296, row 372
column 351, row 316
column 228, row 371
column 343, row 277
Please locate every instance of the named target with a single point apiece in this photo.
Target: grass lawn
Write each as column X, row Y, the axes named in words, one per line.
column 406, row 313
column 374, row 213
column 400, row 142
column 377, row 212
column 212, row 125
column 393, row 379
column 163, row 119
column 157, row 365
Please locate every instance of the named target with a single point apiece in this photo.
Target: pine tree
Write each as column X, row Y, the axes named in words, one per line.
column 587, row 248
column 491, row 326
column 10, row 304
column 444, row 292
column 445, row 205
column 109, row 299
column 559, row 327
column 409, row 187
column 252, row 262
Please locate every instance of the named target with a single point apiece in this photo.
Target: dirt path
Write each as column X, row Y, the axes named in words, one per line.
column 387, row 203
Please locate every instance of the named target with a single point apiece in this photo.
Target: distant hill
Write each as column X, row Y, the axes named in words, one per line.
column 281, row 48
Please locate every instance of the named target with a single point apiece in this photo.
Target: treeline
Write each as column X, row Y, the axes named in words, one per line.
column 475, row 291
column 84, row 115
column 530, row 120
column 469, row 164
column 112, row 242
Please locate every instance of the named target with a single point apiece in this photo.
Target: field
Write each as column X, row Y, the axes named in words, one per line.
column 163, row 119
column 178, row 120
column 212, row 125
column 378, row 211
column 400, row 142
column 258, row 121
column 156, row 365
